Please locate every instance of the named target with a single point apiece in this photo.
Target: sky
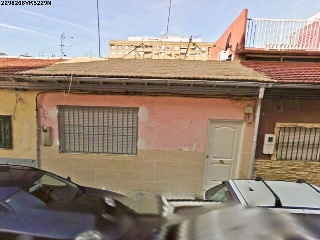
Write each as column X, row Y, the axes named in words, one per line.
column 37, row 30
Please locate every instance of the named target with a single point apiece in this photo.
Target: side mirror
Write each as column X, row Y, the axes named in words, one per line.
column 69, row 179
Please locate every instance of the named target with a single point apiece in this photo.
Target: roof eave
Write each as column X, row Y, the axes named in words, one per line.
column 276, row 52
column 153, row 81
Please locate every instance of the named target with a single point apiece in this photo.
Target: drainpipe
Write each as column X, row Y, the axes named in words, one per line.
column 38, row 128
column 255, row 133
column 38, row 131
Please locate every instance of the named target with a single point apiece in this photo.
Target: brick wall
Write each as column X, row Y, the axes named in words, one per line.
column 157, row 171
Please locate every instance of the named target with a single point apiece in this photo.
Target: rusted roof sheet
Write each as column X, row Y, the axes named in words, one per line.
column 154, row 69
column 11, row 65
column 287, row 72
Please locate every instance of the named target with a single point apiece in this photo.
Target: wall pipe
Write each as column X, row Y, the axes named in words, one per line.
column 38, row 128
column 255, row 134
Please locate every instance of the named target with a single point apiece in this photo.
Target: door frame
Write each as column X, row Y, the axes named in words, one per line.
column 237, row 164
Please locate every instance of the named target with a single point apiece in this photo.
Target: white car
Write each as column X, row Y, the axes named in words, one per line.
column 294, row 197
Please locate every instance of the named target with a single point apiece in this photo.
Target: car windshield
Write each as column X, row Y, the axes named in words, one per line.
column 219, row 193
column 48, row 188
column 53, row 188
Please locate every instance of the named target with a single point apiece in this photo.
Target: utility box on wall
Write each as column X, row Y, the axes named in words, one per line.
column 46, row 136
column 269, row 142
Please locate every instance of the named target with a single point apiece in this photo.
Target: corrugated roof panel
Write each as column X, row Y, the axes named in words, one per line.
column 154, row 69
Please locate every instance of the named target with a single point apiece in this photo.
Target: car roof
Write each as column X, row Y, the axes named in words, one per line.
column 290, row 194
column 13, row 178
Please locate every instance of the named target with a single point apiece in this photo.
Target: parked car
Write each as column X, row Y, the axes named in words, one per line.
column 234, row 222
column 294, row 197
column 60, row 208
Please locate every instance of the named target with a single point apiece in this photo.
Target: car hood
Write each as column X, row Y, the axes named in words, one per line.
column 47, row 224
column 84, row 203
column 103, row 193
column 7, row 191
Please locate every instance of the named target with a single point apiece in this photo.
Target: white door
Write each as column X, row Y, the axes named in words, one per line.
column 223, row 151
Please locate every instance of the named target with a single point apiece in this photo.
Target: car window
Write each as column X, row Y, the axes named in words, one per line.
column 219, row 193
column 48, row 180
column 51, row 188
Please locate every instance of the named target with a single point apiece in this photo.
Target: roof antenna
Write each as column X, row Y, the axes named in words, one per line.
column 168, row 19
column 62, row 45
column 98, row 28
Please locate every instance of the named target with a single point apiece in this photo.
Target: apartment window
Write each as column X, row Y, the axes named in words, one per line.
column 298, row 142
column 112, row 130
column 113, row 47
column 113, row 53
column 5, row 132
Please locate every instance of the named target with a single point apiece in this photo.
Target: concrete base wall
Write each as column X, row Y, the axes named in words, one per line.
column 288, row 170
column 155, row 171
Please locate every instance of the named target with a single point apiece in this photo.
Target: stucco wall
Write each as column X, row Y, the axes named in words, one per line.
column 275, row 110
column 21, row 106
column 172, row 143
column 237, row 40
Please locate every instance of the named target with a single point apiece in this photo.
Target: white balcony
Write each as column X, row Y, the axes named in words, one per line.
column 280, row 34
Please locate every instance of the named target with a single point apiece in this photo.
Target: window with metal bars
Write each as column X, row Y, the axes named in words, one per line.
column 112, row 130
column 298, row 143
column 5, row 132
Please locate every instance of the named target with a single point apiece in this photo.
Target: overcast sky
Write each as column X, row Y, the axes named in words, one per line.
column 36, row 30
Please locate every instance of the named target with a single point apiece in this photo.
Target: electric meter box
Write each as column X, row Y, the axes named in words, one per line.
column 46, row 136
column 269, row 142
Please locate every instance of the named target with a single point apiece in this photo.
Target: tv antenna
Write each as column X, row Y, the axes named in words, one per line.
column 62, row 44
column 98, row 22
column 228, row 42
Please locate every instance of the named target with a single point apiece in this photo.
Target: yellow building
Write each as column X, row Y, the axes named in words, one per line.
column 170, row 47
column 18, row 124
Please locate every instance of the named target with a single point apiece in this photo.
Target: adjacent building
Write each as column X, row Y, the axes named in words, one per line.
column 287, row 145
column 168, row 47
column 18, row 129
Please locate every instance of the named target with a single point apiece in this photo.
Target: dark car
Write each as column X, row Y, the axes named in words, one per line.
column 28, row 191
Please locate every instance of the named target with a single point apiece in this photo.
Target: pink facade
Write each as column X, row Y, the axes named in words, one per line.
column 172, row 141
column 165, row 123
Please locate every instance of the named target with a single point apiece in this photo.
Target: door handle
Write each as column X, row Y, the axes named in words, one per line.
column 221, row 161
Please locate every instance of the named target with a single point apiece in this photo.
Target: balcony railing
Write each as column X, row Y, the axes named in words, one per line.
column 281, row 34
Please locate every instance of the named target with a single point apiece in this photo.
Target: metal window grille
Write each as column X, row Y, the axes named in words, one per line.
column 111, row 130
column 298, row 143
column 5, row 132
